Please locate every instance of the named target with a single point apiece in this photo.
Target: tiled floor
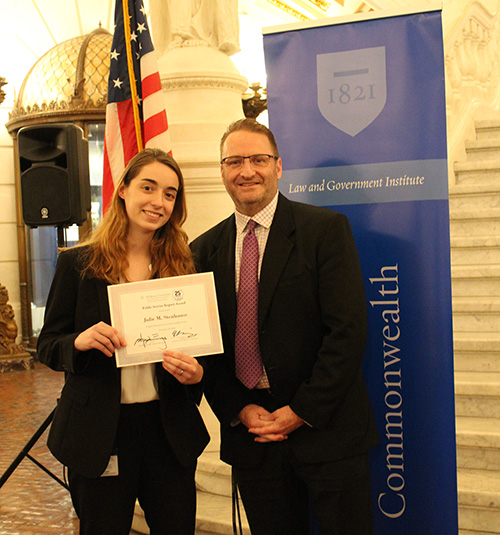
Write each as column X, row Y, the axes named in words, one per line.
column 31, row 502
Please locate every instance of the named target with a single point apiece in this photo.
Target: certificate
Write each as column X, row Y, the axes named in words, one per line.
column 178, row 313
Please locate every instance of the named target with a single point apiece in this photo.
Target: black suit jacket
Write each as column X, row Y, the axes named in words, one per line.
column 82, row 434
column 312, row 334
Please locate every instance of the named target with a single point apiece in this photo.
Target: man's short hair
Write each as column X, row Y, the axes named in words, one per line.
column 250, row 125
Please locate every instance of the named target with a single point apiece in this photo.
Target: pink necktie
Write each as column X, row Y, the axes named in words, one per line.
column 247, row 353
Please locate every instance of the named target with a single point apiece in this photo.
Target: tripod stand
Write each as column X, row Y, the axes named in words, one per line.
column 25, row 453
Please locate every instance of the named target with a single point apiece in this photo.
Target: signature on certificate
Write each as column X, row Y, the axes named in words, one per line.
column 156, row 340
column 152, row 340
column 183, row 335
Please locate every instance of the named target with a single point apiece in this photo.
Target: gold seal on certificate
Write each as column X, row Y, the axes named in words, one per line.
column 178, row 313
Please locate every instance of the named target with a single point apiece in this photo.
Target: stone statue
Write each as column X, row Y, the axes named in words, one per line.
column 177, row 23
column 8, row 326
column 3, row 82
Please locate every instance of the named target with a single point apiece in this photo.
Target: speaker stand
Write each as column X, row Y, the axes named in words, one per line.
column 61, row 237
column 25, row 452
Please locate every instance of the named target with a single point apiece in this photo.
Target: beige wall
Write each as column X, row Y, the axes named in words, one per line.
column 9, row 265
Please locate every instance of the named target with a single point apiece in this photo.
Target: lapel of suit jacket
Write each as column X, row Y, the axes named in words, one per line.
column 223, row 263
column 102, row 296
column 278, row 248
column 92, row 287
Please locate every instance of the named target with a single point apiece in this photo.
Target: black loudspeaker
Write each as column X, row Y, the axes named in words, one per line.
column 55, row 181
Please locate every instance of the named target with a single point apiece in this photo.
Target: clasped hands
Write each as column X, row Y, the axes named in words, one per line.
column 186, row 369
column 270, row 426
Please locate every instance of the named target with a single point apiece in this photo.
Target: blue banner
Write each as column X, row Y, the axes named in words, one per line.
column 358, row 110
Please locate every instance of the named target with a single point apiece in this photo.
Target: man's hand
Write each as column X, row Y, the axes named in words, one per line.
column 270, row 427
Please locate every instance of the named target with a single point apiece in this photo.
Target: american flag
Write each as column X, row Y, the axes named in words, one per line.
column 135, row 112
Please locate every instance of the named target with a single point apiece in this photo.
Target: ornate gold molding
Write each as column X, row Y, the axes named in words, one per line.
column 57, row 106
column 325, row 5
column 54, row 112
column 290, row 10
column 305, row 10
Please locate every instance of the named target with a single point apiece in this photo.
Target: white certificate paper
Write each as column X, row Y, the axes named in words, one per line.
column 178, row 313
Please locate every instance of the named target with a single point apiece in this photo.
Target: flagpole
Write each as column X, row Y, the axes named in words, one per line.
column 130, row 63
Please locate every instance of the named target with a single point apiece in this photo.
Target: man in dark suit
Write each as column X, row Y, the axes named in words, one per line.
column 298, row 436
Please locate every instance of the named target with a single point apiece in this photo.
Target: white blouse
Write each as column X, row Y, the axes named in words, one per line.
column 139, row 384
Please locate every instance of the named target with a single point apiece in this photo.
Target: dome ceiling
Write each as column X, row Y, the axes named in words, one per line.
column 71, row 75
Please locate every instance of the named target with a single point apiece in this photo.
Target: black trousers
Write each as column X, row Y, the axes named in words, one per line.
column 283, row 496
column 148, row 471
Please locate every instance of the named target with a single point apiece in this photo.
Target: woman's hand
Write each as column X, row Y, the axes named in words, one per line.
column 100, row 336
column 186, row 369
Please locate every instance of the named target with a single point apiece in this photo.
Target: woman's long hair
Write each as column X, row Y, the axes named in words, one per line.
column 106, row 253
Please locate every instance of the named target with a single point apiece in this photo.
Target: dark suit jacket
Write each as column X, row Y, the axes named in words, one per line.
column 83, row 431
column 312, row 333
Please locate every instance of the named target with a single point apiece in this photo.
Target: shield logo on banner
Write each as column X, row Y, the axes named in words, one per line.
column 352, row 88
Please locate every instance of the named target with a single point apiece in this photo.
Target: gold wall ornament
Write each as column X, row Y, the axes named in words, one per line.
column 3, row 94
column 256, row 102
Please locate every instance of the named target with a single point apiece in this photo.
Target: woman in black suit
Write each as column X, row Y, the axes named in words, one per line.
column 135, row 432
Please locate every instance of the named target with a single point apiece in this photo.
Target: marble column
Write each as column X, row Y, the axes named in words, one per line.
column 203, row 92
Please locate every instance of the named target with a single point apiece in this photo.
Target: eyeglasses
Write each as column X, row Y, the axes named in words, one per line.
column 256, row 160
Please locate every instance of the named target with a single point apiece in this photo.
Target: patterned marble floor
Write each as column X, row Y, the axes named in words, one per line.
column 31, row 502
